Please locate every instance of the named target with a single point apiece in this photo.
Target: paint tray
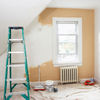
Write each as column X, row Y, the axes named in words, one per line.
column 39, row 87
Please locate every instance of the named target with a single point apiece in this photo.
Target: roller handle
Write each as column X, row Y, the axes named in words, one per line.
column 39, row 74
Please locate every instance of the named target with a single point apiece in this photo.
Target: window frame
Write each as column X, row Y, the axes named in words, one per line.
column 78, row 40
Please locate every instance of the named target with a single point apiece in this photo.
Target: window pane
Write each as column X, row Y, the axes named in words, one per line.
column 66, row 29
column 71, row 39
column 67, row 48
column 67, row 58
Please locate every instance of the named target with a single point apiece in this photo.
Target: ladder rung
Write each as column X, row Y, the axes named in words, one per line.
column 17, row 79
column 16, row 52
column 16, row 93
column 17, row 63
column 16, row 40
column 20, row 65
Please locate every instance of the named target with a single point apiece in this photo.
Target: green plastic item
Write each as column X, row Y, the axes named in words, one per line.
column 9, row 65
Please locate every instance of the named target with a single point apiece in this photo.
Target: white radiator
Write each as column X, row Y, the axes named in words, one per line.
column 69, row 74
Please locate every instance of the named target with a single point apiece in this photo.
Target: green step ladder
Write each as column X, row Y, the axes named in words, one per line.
column 9, row 65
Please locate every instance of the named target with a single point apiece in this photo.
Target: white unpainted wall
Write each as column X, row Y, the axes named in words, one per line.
column 39, row 43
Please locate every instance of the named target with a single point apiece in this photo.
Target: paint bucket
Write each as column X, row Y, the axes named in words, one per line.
column 49, row 85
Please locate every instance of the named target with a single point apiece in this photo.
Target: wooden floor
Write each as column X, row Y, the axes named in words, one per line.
column 65, row 92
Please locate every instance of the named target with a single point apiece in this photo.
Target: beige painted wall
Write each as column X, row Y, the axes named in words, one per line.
column 48, row 71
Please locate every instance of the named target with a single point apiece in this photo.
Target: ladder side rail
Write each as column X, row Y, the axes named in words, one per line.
column 26, row 67
column 25, row 54
column 10, row 74
column 6, row 69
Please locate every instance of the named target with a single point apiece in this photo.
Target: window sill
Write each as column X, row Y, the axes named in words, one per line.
column 67, row 64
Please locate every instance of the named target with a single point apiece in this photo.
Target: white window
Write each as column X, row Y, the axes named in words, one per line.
column 67, row 41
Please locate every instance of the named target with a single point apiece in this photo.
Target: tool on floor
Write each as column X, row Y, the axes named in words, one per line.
column 39, row 87
column 55, row 89
column 9, row 65
column 89, row 82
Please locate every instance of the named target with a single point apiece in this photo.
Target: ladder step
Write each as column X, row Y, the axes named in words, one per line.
column 17, row 63
column 17, row 79
column 16, row 40
column 16, row 93
column 16, row 52
column 14, row 65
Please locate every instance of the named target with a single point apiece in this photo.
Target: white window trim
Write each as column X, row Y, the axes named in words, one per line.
column 79, row 20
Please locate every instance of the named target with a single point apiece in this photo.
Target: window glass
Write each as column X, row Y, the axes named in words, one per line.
column 68, row 39
column 67, row 48
column 67, row 45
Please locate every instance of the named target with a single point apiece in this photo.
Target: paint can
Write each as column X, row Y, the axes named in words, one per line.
column 49, row 84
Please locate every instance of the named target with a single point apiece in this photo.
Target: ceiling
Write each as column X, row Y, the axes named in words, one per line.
column 81, row 4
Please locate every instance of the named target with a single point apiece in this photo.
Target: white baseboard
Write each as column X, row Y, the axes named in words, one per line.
column 43, row 83
column 97, row 81
column 83, row 80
